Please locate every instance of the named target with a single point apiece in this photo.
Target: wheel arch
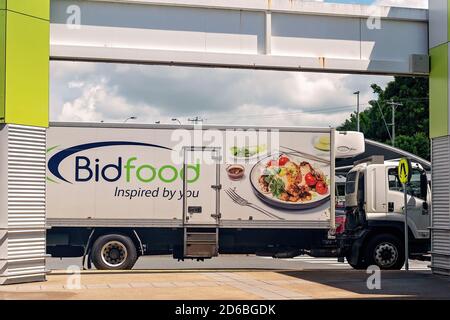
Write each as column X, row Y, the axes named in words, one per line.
column 394, row 228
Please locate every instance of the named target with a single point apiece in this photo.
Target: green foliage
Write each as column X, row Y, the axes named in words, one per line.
column 411, row 119
column 418, row 144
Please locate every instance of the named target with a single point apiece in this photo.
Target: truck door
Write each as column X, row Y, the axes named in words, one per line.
column 417, row 191
column 201, row 201
column 355, row 200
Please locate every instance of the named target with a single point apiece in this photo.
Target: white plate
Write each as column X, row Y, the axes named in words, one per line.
column 258, row 170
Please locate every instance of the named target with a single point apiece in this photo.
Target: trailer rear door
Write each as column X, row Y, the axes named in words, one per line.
column 202, row 198
column 201, row 201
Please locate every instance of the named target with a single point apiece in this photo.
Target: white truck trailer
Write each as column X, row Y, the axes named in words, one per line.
column 115, row 192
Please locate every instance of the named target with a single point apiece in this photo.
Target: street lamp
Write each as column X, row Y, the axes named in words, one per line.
column 130, row 118
column 393, row 105
column 175, row 119
column 357, row 110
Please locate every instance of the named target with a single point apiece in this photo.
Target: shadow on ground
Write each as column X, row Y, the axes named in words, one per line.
column 394, row 284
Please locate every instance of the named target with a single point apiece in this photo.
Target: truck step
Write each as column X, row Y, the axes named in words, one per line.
column 201, row 245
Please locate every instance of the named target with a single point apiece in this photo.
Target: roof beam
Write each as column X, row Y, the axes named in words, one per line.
column 259, row 34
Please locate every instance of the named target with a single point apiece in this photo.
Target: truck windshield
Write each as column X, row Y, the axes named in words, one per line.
column 351, row 182
column 416, row 187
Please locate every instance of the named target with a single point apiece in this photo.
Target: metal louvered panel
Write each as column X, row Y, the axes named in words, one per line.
column 22, row 216
column 26, row 145
column 440, row 226
column 441, row 241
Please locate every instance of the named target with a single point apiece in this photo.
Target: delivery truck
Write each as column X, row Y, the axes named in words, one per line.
column 119, row 191
column 372, row 230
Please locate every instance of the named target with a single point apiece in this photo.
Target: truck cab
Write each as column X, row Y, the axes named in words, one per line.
column 373, row 232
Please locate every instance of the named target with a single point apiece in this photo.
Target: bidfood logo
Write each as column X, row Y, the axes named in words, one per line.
column 131, row 169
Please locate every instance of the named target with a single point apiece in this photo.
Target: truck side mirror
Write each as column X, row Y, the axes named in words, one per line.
column 425, row 208
column 423, row 186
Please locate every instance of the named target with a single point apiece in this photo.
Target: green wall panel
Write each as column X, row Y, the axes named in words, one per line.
column 2, row 64
column 439, row 91
column 27, row 70
column 2, row 4
column 35, row 8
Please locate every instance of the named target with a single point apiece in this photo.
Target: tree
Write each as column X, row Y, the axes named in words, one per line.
column 411, row 119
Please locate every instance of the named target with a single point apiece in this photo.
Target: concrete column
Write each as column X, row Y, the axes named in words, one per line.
column 440, row 134
column 24, row 100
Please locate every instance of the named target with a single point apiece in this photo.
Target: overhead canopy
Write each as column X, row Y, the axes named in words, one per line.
column 257, row 34
column 374, row 148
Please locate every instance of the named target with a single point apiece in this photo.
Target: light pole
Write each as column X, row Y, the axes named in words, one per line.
column 130, row 118
column 357, row 110
column 175, row 119
column 393, row 105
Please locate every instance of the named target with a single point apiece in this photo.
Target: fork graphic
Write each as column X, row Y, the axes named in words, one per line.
column 242, row 202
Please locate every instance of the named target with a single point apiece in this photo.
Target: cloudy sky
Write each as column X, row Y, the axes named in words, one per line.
column 93, row 92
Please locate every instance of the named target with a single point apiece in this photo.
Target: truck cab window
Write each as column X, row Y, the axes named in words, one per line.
column 340, row 190
column 361, row 192
column 415, row 188
column 351, row 182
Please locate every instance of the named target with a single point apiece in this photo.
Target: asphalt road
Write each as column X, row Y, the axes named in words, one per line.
column 231, row 262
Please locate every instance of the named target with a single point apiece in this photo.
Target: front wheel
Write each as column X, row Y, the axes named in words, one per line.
column 385, row 251
column 114, row 252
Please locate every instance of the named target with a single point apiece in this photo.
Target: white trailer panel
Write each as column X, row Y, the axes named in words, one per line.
column 100, row 175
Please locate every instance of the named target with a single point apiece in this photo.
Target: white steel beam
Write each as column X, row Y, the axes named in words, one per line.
column 261, row 34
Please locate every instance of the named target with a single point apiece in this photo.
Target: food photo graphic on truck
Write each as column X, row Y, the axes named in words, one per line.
column 191, row 192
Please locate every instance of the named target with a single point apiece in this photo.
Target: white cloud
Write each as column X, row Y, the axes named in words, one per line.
column 100, row 102
column 113, row 93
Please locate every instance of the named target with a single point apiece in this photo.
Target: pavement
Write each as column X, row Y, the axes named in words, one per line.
column 304, row 278
column 248, row 262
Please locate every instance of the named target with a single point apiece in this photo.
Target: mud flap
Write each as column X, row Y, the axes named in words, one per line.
column 356, row 248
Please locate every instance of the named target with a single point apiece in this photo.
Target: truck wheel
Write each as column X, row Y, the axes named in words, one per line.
column 114, row 252
column 385, row 251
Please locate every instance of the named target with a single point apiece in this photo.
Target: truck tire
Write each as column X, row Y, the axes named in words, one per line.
column 114, row 252
column 385, row 251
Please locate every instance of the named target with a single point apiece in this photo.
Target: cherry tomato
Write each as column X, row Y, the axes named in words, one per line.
column 321, row 188
column 283, row 160
column 310, row 180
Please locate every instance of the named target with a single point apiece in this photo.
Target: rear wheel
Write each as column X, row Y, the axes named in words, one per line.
column 114, row 252
column 385, row 251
